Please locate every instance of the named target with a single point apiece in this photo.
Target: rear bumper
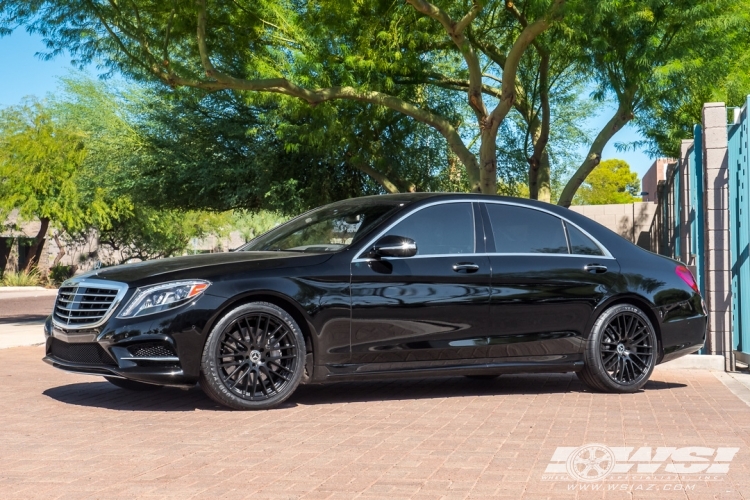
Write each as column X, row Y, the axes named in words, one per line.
column 683, row 337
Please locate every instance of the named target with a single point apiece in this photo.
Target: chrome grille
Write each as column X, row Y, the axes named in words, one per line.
column 85, row 304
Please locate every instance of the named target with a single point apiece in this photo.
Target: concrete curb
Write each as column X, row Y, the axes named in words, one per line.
column 23, row 292
column 738, row 383
column 711, row 362
column 8, row 289
column 21, row 334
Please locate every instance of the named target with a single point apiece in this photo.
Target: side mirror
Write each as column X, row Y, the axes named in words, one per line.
column 394, row 246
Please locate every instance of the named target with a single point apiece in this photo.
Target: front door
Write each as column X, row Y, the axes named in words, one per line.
column 428, row 308
column 547, row 278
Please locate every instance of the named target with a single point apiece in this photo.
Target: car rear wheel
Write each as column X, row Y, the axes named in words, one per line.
column 253, row 358
column 620, row 352
column 131, row 385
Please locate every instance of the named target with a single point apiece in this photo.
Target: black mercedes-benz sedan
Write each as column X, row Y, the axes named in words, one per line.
column 403, row 285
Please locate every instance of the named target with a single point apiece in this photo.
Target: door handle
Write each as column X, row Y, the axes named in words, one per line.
column 465, row 267
column 595, row 268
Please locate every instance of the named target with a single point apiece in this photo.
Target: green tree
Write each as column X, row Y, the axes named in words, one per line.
column 723, row 77
column 639, row 53
column 149, row 234
column 41, row 163
column 611, row 182
column 317, row 52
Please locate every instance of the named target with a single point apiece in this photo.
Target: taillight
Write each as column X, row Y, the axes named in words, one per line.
column 686, row 276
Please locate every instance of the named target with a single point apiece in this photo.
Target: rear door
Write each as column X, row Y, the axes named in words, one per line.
column 547, row 277
column 432, row 307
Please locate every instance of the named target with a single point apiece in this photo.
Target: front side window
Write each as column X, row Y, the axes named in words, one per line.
column 525, row 230
column 326, row 229
column 440, row 229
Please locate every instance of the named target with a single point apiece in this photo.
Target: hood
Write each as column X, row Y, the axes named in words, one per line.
column 203, row 265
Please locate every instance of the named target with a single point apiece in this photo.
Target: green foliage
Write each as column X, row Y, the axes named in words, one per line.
column 717, row 71
column 41, row 164
column 60, row 273
column 253, row 224
column 148, row 234
column 662, row 60
column 611, row 182
column 21, row 278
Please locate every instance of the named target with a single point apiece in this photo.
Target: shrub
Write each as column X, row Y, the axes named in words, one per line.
column 60, row 273
column 22, row 278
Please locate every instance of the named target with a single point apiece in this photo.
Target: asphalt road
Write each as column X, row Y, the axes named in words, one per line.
column 33, row 307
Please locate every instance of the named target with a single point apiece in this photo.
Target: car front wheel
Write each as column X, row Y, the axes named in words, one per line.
column 620, row 352
column 253, row 358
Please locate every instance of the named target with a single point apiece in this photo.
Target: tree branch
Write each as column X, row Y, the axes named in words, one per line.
column 621, row 117
column 510, row 69
column 317, row 96
column 456, row 32
column 379, row 177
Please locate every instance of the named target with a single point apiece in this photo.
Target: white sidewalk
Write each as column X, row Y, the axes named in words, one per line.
column 21, row 334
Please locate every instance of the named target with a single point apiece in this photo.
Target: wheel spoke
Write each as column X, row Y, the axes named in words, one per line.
column 276, row 363
column 608, row 361
column 263, row 383
column 240, row 377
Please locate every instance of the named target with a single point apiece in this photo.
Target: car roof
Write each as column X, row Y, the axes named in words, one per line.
column 434, row 196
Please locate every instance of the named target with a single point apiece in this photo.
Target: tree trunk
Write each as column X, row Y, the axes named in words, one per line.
column 379, row 178
column 539, row 174
column 488, row 162
column 31, row 261
column 544, row 191
column 60, row 250
column 594, row 156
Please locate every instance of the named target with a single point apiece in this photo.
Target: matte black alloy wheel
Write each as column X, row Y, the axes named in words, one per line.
column 253, row 358
column 256, row 356
column 621, row 351
column 626, row 348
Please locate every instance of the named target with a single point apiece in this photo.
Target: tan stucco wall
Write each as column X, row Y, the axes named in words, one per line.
column 632, row 221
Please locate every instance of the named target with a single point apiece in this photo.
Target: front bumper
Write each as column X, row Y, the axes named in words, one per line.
column 163, row 349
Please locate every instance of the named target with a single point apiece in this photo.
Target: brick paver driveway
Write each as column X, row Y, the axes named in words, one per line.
column 72, row 436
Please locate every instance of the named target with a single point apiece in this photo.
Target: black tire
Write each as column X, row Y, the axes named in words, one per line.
column 132, row 385
column 621, row 351
column 254, row 358
column 483, row 377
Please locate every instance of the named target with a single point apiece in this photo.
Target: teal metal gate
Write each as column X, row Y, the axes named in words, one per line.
column 739, row 220
column 695, row 214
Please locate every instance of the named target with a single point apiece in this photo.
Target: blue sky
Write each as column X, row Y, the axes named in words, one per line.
column 33, row 76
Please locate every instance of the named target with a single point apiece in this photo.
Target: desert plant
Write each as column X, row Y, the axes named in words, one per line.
column 22, row 278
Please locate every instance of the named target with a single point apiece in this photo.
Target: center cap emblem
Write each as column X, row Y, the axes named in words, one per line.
column 620, row 349
column 255, row 356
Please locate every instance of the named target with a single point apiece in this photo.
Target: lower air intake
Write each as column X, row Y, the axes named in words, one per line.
column 84, row 354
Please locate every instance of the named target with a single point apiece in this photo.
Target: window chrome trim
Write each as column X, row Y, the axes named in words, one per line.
column 403, row 217
column 607, row 255
column 121, row 288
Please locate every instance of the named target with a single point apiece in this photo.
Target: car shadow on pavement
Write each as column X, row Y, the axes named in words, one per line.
column 105, row 395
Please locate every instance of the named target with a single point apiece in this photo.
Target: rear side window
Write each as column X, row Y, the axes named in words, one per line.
column 580, row 244
column 525, row 230
column 439, row 229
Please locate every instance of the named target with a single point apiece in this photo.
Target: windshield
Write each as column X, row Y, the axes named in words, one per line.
column 326, row 229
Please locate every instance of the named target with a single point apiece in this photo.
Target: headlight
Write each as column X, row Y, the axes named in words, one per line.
column 157, row 298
